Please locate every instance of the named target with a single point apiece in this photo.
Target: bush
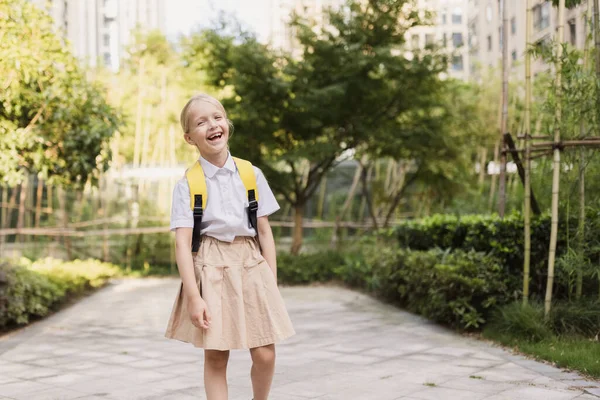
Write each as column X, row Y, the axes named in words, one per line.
column 527, row 322
column 576, row 318
column 502, row 238
column 520, row 321
column 457, row 289
column 25, row 294
column 33, row 289
column 307, row 268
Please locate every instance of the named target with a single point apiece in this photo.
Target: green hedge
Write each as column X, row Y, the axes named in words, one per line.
column 502, row 238
column 33, row 289
column 458, row 289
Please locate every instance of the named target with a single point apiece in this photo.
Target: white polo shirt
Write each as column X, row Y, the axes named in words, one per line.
column 226, row 213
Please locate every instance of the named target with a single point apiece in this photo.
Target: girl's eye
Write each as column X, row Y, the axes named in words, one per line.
column 200, row 123
column 218, row 117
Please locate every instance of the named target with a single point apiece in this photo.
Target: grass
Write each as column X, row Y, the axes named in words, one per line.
column 579, row 354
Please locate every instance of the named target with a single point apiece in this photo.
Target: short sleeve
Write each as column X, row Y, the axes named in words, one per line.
column 267, row 204
column 181, row 213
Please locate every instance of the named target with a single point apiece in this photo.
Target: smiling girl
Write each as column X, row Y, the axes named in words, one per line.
column 228, row 297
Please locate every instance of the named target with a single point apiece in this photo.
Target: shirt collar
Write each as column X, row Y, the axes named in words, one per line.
column 210, row 169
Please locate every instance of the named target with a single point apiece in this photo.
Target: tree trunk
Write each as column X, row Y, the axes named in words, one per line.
column 321, row 200
column 64, row 220
column 527, row 205
column 504, row 120
column 38, row 202
column 347, row 203
column 482, row 163
column 366, row 173
column 556, row 170
column 22, row 200
column 298, row 234
column 5, row 214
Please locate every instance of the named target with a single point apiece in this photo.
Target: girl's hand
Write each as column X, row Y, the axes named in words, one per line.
column 199, row 314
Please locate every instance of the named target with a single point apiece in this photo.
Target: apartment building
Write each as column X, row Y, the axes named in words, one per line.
column 100, row 30
column 485, row 32
column 449, row 30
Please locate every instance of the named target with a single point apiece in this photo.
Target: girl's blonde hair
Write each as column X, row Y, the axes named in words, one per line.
column 184, row 120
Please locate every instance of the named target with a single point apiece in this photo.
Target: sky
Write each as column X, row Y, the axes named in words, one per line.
column 185, row 15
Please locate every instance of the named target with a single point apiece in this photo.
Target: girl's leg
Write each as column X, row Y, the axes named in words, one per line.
column 215, row 374
column 263, row 368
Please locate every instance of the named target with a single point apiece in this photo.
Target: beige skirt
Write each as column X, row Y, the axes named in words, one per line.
column 242, row 297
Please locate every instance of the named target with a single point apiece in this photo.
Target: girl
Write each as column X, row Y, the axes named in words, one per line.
column 228, row 298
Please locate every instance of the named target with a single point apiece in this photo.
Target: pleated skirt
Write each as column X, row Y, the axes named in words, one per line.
column 242, row 296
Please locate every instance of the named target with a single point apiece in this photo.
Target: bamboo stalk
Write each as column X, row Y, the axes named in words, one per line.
column 22, row 199
column 38, row 202
column 534, row 137
column 504, row 119
column 581, row 224
column 541, row 155
column 482, row 163
column 493, row 184
column 64, row 219
column 138, row 116
column 3, row 215
column 597, row 41
column 556, row 170
column 527, row 205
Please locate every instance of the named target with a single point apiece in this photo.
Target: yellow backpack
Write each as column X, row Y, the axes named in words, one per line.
column 199, row 196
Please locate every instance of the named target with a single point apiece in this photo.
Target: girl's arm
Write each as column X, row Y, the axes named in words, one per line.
column 267, row 243
column 197, row 309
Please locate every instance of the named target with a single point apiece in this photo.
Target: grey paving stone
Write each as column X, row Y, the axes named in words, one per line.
column 533, row 393
column 348, row 346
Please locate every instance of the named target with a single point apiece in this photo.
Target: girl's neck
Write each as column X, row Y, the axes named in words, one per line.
column 218, row 159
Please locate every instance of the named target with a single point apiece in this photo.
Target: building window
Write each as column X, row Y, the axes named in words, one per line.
column 514, row 55
column 513, row 26
column 457, row 39
column 489, row 40
column 457, row 63
column 106, row 38
column 488, row 13
column 429, row 39
column 444, row 18
column 573, row 32
column 107, row 60
column 457, row 16
column 415, row 41
column 541, row 16
column 445, row 39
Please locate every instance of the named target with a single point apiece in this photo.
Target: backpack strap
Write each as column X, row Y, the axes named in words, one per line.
column 198, row 197
column 248, row 176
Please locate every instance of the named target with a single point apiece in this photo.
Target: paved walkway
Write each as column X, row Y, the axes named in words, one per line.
column 348, row 346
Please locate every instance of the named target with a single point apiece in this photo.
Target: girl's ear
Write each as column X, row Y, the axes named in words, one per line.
column 188, row 139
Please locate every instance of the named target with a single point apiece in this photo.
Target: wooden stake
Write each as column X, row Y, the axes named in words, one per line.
column 22, row 199
column 38, row 202
column 504, row 120
column 556, row 163
column 527, row 205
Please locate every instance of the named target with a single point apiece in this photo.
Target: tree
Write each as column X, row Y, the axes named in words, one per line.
column 53, row 121
column 354, row 85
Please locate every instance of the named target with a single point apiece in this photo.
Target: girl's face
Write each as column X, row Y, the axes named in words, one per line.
column 209, row 129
